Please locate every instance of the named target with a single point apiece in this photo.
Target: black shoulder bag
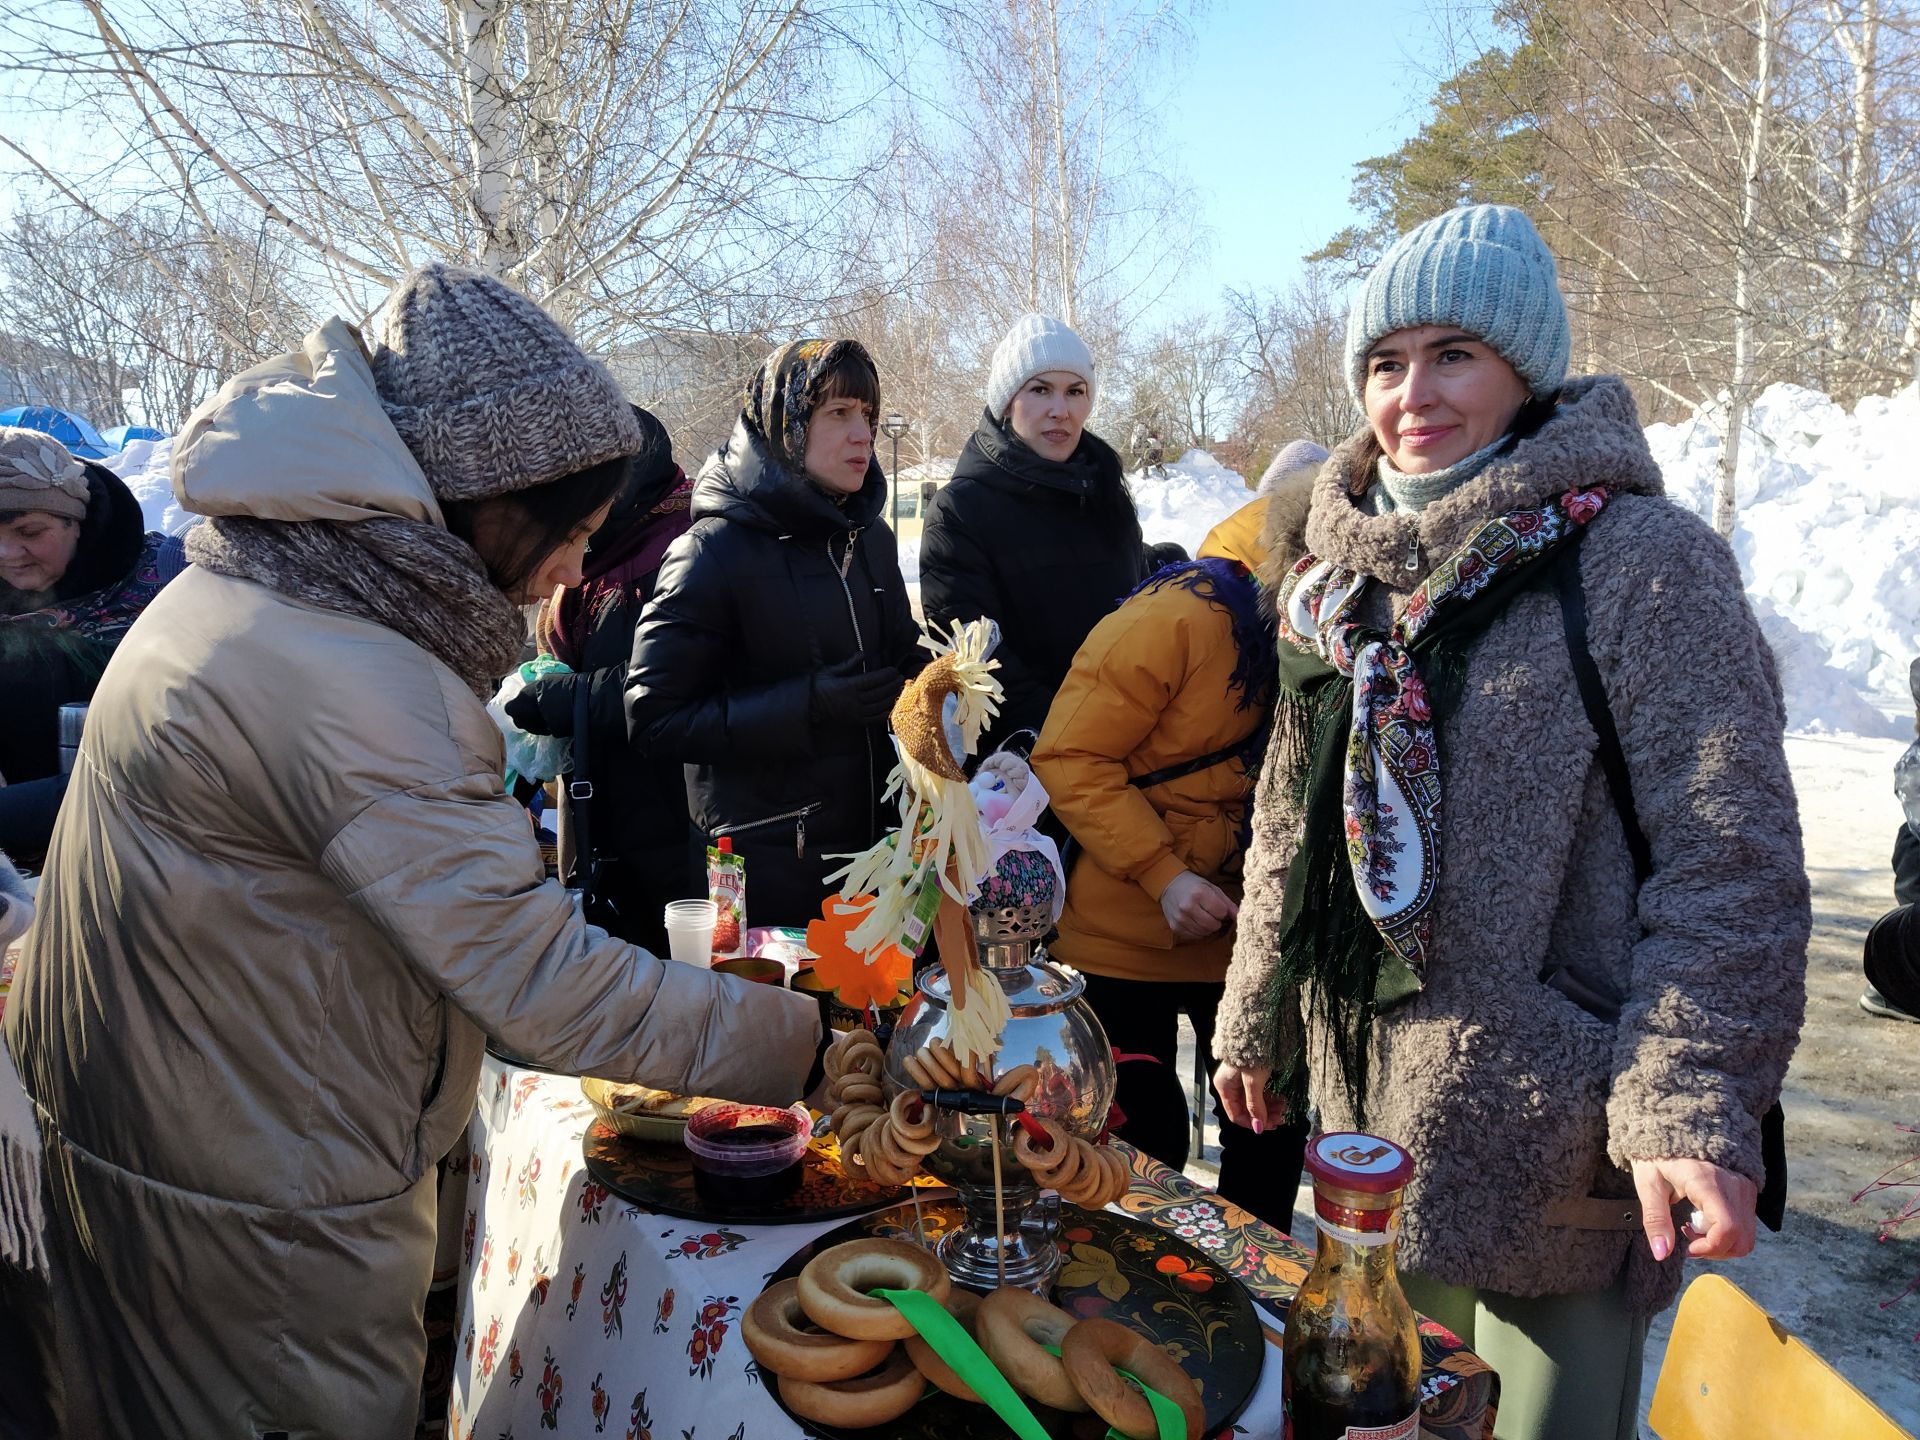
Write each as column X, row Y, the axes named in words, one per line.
column 1771, row 1206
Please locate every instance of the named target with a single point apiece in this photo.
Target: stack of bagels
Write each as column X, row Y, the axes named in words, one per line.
column 889, row 1140
column 838, row 1349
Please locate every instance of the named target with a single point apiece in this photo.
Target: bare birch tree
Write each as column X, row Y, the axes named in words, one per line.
column 1043, row 152
column 140, row 308
column 618, row 159
column 1292, row 348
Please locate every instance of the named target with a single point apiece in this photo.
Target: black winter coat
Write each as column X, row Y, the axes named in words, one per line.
column 773, row 584
column 1044, row 547
column 640, row 800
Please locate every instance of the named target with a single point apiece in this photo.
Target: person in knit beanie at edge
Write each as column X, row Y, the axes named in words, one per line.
column 1572, row 1001
column 1036, row 529
column 288, row 898
column 780, row 633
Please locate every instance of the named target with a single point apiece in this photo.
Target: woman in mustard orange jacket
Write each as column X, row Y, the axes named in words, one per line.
column 1149, row 754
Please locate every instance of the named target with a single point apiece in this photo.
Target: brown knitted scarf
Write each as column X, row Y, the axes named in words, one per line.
column 417, row 579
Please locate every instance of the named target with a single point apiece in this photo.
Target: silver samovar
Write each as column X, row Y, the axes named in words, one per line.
column 1056, row 1032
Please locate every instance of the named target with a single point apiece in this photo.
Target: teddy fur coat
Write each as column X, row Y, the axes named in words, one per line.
column 1516, row 1103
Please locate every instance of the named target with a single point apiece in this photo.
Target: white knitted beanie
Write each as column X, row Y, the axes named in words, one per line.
column 1034, row 344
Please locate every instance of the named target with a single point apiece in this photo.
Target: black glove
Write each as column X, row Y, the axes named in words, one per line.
column 531, row 709
column 844, row 694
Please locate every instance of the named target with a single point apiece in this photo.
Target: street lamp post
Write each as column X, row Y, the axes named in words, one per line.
column 895, row 425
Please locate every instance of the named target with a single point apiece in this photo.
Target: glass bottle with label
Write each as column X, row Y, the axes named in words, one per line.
column 1352, row 1358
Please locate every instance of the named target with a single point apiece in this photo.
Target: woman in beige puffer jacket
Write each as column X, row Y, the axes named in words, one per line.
column 288, row 898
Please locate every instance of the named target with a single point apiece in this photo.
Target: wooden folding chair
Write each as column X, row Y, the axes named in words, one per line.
column 1732, row 1373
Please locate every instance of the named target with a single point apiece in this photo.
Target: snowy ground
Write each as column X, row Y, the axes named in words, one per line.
column 1855, row 1080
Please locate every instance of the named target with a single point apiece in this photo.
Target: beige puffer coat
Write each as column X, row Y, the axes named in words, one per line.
column 286, row 900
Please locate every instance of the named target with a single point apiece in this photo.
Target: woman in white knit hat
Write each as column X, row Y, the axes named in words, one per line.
column 1036, row 529
column 288, row 898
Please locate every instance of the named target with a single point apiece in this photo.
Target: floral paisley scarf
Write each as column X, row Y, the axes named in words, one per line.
column 1356, row 731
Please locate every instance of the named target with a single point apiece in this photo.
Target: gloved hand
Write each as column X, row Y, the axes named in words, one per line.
column 530, row 709
column 844, row 694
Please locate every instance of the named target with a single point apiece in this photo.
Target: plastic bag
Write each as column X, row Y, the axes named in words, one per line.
column 1906, row 784
column 532, row 757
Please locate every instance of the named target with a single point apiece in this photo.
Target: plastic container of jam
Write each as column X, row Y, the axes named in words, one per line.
column 747, row 1154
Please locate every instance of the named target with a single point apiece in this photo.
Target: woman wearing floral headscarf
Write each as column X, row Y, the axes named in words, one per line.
column 779, row 633
column 77, row 566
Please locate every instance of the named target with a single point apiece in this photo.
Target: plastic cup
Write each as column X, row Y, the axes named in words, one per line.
column 690, row 926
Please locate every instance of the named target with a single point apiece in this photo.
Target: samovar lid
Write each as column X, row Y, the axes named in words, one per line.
column 1036, row 988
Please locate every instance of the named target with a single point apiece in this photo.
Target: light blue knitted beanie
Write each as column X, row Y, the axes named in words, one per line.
column 1481, row 267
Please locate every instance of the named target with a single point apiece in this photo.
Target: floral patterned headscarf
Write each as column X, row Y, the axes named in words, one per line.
column 783, row 393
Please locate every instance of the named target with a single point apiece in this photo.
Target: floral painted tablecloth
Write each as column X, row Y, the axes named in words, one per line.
column 583, row 1315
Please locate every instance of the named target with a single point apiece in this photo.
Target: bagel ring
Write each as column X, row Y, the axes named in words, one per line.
column 778, row 1334
column 850, row 1120
column 1011, row 1327
column 861, row 1090
column 917, row 1072
column 886, row 1161
column 1059, row 1166
column 1039, row 1160
column 867, row 1060
column 834, row 1286
column 910, row 1114
column 912, row 1140
column 1022, row 1080
column 940, row 1067
column 872, row 1399
column 964, row 1306
column 1096, row 1350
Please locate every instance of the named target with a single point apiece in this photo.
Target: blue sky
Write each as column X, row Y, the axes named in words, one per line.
column 1277, row 102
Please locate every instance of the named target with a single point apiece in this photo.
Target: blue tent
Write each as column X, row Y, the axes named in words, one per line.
column 121, row 436
column 69, row 429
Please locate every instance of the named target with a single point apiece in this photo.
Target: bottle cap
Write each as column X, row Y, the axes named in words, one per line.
column 726, row 845
column 1363, row 1163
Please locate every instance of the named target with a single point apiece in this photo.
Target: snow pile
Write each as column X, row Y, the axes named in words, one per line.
column 910, row 561
column 1828, row 538
column 1195, row 494
column 144, row 466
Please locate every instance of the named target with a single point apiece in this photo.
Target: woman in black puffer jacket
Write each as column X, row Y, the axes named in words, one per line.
column 639, row 829
column 779, row 633
column 1036, row 529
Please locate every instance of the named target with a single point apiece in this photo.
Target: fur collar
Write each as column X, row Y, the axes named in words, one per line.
column 1593, row 437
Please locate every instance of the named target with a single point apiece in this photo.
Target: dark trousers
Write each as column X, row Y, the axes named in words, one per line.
column 1259, row 1173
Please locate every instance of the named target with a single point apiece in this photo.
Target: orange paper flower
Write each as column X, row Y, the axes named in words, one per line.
column 862, row 980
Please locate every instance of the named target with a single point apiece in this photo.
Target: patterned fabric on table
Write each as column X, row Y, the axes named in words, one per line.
column 583, row 1315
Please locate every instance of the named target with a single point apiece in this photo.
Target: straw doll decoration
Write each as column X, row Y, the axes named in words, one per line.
column 908, row 888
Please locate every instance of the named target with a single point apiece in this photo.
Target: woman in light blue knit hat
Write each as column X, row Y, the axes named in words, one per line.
column 1526, row 892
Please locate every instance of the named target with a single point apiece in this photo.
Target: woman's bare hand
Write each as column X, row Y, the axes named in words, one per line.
column 1195, row 908
column 1243, row 1095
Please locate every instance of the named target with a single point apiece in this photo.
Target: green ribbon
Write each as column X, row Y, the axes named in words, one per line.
column 951, row 1342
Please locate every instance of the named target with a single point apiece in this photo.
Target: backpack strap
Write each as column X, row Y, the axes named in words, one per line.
column 1188, row 767
column 1593, row 696
column 1771, row 1205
